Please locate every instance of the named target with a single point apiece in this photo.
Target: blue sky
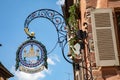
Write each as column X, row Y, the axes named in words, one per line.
column 12, row 17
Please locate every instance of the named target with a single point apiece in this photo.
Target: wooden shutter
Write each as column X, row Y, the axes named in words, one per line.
column 106, row 53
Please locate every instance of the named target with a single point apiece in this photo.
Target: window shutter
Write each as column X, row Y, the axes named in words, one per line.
column 106, row 53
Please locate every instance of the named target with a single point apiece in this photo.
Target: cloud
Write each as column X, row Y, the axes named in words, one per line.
column 55, row 57
column 26, row 76
column 52, row 59
column 19, row 75
column 60, row 2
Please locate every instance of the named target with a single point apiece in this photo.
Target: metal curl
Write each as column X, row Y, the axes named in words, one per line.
column 58, row 21
column 55, row 17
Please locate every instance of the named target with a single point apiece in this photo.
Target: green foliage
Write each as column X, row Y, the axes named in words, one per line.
column 73, row 26
column 73, row 23
column 73, row 40
column 72, row 20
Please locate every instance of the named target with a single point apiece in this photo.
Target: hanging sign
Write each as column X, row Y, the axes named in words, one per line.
column 31, row 57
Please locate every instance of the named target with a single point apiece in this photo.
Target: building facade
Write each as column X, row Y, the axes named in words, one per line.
column 99, row 21
column 4, row 73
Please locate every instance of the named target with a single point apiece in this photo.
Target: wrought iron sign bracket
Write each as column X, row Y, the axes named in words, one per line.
column 31, row 56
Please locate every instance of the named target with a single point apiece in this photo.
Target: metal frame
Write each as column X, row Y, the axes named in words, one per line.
column 57, row 19
column 59, row 22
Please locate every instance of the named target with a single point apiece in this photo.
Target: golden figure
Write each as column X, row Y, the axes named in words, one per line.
column 31, row 52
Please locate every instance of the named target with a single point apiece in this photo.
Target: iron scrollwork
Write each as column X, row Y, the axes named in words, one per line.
column 57, row 19
column 52, row 15
column 59, row 22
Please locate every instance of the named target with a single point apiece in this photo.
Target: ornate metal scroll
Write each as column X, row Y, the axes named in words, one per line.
column 57, row 19
column 31, row 56
column 52, row 15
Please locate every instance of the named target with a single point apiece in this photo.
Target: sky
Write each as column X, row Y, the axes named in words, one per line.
column 12, row 17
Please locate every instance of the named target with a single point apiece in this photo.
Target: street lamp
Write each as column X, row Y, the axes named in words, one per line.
column 0, row 44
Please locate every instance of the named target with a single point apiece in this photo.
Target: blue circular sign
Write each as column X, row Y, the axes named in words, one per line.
column 31, row 53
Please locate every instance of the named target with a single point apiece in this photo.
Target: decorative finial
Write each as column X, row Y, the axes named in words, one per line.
column 30, row 34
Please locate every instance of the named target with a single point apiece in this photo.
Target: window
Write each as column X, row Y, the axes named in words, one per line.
column 104, row 37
